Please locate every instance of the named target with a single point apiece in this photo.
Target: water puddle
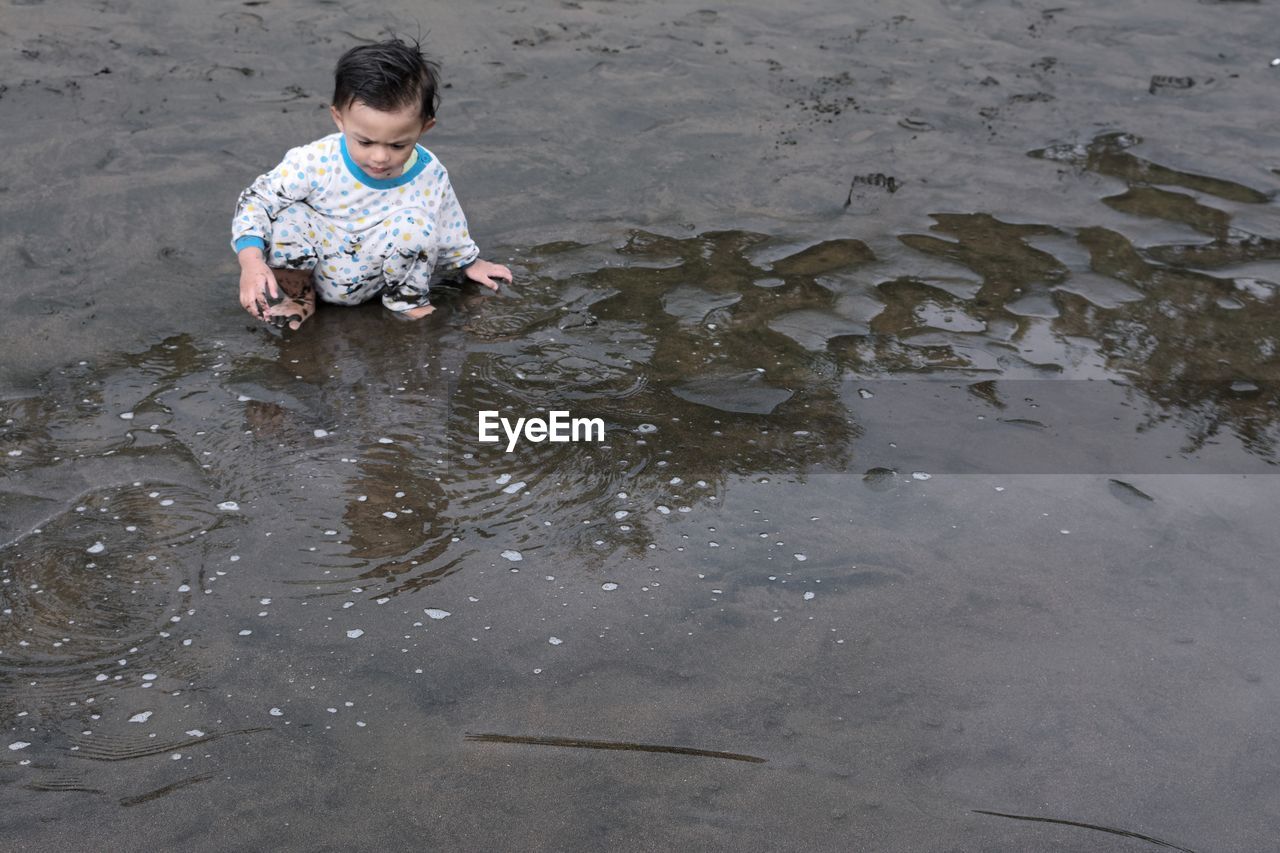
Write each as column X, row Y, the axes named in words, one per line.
column 210, row 551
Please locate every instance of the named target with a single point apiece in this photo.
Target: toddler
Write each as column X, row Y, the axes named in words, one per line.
column 363, row 212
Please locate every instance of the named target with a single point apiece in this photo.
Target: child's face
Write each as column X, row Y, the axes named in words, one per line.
column 380, row 142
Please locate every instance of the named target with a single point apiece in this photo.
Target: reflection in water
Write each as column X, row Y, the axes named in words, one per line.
column 154, row 506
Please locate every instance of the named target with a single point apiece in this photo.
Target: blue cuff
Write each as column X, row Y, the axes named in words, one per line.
column 250, row 240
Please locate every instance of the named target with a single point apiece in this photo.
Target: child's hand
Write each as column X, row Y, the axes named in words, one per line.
column 486, row 273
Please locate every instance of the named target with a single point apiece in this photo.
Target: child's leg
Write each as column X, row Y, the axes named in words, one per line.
column 295, row 248
column 407, row 264
column 406, row 288
column 297, row 299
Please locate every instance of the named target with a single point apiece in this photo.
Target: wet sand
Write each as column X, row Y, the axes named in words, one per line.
column 936, row 347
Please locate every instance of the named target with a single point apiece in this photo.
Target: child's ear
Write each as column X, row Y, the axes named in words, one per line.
column 337, row 118
column 427, row 125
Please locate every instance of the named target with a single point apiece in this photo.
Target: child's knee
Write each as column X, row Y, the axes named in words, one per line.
column 409, row 230
column 296, row 240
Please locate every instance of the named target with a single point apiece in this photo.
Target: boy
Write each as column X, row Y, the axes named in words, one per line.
column 363, row 212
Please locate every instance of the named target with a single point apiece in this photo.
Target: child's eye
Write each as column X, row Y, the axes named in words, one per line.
column 398, row 146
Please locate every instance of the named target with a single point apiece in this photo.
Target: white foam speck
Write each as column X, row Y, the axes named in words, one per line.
column 555, row 641
column 1064, row 532
column 195, row 733
column 276, row 712
column 15, row 452
column 355, row 633
column 96, row 548
column 513, row 556
column 620, row 514
column 18, row 744
column 385, row 440
column 167, row 502
column 320, row 433
column 243, row 399
column 435, row 613
column 609, row 587
column 150, row 676
column 999, row 488
column 664, row 510
column 229, row 506
column 808, row 596
column 184, row 588
column 141, row 718
column 101, row 677
column 246, row 632
column 389, row 514
column 921, row 475
column 126, row 416
column 800, row 558
column 504, row 479
column 514, row 487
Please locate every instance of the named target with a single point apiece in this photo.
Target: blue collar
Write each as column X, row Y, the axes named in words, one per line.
column 383, row 183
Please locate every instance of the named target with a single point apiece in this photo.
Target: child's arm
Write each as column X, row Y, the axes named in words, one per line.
column 457, row 249
column 251, row 226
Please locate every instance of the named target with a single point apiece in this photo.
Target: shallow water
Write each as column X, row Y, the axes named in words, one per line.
column 942, row 500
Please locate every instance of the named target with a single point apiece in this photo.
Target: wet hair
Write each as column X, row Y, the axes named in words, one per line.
column 387, row 76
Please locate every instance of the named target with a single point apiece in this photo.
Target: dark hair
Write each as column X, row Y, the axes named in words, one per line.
column 387, row 76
